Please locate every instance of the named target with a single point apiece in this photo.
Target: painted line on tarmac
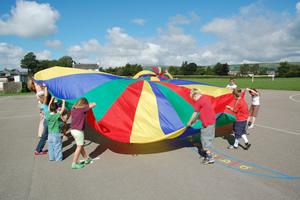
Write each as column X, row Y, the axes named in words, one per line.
column 226, row 163
column 291, row 97
column 4, row 98
column 20, row 116
column 276, row 129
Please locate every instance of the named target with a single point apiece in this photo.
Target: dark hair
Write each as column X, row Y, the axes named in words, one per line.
column 53, row 107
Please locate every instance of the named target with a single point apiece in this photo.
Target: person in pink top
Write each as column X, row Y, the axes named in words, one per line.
column 208, row 118
column 78, row 123
column 242, row 115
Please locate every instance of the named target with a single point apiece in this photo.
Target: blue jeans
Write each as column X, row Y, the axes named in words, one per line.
column 55, row 146
column 43, row 139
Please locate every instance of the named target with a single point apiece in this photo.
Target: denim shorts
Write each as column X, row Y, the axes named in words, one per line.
column 239, row 128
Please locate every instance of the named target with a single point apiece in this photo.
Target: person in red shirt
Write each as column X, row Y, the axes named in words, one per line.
column 79, row 112
column 208, row 118
column 242, row 115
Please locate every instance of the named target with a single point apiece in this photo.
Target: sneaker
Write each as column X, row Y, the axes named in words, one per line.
column 87, row 161
column 232, row 147
column 77, row 166
column 247, row 132
column 41, row 153
column 252, row 126
column 208, row 161
column 249, row 123
column 248, row 145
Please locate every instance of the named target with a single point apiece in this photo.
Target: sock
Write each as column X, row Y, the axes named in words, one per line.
column 236, row 142
column 245, row 138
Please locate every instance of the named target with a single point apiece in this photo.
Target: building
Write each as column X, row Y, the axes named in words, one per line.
column 12, row 76
column 94, row 67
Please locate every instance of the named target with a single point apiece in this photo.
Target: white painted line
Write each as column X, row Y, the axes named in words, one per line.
column 19, row 116
column 291, row 97
column 4, row 98
column 278, row 129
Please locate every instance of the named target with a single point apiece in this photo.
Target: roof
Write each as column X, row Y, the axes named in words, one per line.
column 86, row 66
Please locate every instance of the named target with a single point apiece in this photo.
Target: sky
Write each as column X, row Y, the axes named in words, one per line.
column 150, row 33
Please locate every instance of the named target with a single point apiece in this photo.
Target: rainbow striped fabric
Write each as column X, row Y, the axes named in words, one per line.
column 153, row 74
column 133, row 110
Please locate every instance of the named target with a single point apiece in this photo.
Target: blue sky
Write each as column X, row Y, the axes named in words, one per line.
column 157, row 32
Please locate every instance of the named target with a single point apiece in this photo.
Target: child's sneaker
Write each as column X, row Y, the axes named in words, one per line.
column 77, row 166
column 252, row 126
column 208, row 161
column 232, row 147
column 87, row 161
column 248, row 145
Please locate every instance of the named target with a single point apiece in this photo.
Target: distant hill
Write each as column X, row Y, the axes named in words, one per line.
column 233, row 67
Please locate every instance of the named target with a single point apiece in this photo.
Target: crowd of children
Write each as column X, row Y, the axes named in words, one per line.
column 54, row 123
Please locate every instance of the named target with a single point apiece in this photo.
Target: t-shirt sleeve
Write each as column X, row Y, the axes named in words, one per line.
column 86, row 108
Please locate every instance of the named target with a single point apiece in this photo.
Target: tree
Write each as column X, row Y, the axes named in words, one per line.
column 263, row 71
column 209, row 71
column 30, row 62
column 244, row 69
column 65, row 61
column 173, row 70
column 254, row 68
column 200, row 70
column 188, row 69
column 218, row 68
column 283, row 69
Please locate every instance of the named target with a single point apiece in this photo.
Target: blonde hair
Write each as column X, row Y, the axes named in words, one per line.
column 193, row 92
column 81, row 103
column 237, row 92
column 30, row 85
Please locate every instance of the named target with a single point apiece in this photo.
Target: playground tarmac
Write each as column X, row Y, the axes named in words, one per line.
column 169, row 169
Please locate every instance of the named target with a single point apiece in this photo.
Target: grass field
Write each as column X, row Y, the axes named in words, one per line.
column 258, row 83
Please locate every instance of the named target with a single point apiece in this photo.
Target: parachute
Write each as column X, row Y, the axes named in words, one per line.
column 153, row 74
column 133, row 110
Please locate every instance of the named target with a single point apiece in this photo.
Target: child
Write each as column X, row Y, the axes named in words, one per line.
column 64, row 124
column 253, row 111
column 43, row 106
column 242, row 114
column 231, row 84
column 79, row 112
column 208, row 119
column 54, row 119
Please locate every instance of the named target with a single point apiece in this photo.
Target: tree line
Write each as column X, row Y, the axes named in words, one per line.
column 285, row 69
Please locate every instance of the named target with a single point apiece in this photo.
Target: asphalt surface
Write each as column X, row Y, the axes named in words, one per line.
column 170, row 169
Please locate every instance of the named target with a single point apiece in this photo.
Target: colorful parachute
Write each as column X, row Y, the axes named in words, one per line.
column 132, row 110
column 153, row 74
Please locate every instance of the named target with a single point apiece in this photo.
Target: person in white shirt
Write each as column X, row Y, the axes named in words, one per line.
column 231, row 84
column 254, row 108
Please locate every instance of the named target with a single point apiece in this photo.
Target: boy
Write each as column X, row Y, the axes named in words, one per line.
column 231, row 84
column 54, row 119
column 208, row 118
column 242, row 114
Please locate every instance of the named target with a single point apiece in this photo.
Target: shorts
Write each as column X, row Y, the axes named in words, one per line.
column 239, row 128
column 62, row 124
column 253, row 111
column 78, row 136
column 207, row 137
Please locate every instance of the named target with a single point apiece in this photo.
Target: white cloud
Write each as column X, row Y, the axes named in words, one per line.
column 10, row 56
column 178, row 19
column 138, row 21
column 44, row 55
column 54, row 43
column 30, row 19
column 77, row 52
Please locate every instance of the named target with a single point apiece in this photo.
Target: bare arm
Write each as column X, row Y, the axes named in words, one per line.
column 194, row 115
column 52, row 98
column 45, row 95
column 91, row 105
column 63, row 107
column 62, row 118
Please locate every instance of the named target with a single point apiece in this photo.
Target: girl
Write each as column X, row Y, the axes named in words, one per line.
column 253, row 110
column 79, row 112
